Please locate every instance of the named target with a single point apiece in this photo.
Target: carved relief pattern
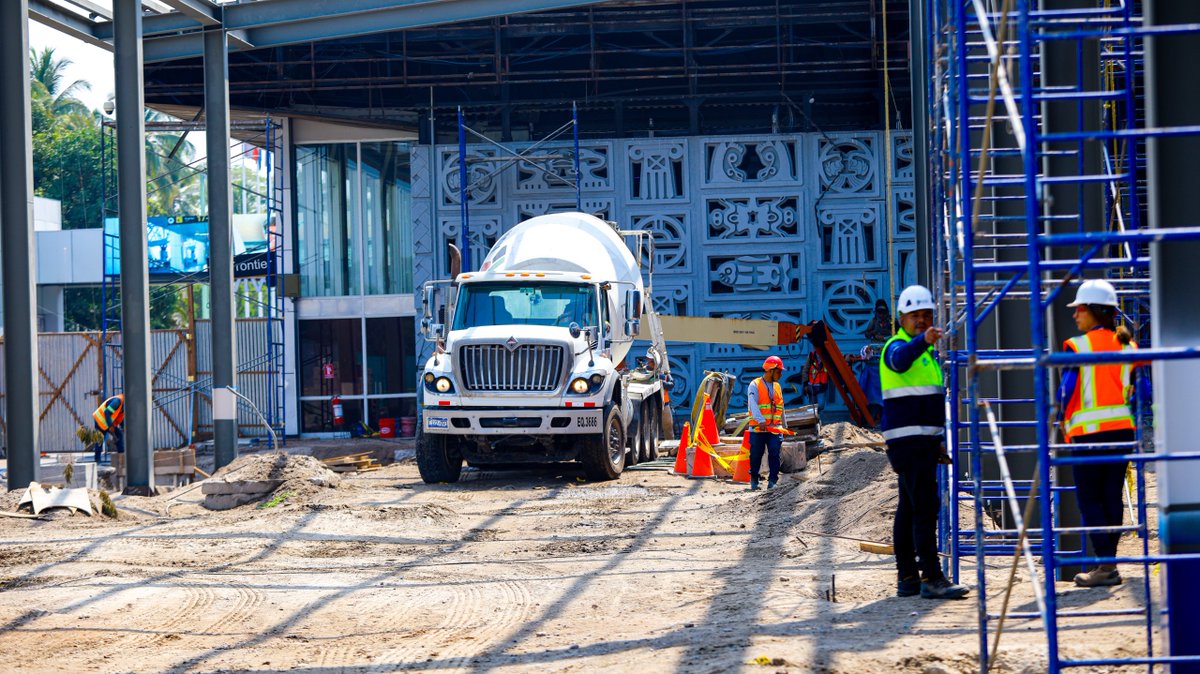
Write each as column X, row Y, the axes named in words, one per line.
column 847, row 166
column 601, row 208
column 848, row 235
column 904, row 213
column 671, row 300
column 848, row 304
column 657, row 172
column 483, row 181
column 484, row 231
column 558, row 160
column 765, row 161
column 670, row 241
column 754, row 218
column 902, row 157
column 756, row 275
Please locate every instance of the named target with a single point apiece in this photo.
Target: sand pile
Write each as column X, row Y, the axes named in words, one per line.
column 853, row 493
column 301, row 476
column 846, row 433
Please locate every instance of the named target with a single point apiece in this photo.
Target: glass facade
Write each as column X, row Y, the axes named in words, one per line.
column 327, row 209
column 354, row 239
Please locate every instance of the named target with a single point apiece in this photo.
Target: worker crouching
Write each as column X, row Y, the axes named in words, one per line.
column 913, row 419
column 109, row 418
column 764, row 399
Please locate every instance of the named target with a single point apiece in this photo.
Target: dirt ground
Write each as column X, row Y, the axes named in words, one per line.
column 534, row 570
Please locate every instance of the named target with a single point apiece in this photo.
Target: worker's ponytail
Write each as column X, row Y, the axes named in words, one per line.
column 1106, row 317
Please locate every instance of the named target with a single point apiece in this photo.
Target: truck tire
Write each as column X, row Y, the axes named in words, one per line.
column 603, row 454
column 634, row 436
column 653, row 426
column 438, row 458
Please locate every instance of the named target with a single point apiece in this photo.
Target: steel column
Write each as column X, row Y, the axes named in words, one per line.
column 131, row 208
column 220, row 241
column 16, row 232
column 919, row 75
column 1173, row 100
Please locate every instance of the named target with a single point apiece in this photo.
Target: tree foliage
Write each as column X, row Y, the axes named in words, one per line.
column 68, row 165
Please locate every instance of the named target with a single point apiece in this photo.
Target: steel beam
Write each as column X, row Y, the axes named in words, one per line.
column 131, row 208
column 1173, row 101
column 919, row 76
column 220, row 241
column 21, row 400
column 273, row 23
column 205, row 12
column 65, row 22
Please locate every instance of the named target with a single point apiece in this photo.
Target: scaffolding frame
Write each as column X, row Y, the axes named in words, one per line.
column 1005, row 240
column 267, row 136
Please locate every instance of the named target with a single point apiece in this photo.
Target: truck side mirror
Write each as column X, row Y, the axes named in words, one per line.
column 429, row 299
column 633, row 305
column 633, row 327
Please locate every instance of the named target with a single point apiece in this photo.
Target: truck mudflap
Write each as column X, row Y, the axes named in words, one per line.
column 557, row 421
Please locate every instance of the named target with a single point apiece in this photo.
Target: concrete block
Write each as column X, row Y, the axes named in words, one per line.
column 250, row 487
column 229, row 501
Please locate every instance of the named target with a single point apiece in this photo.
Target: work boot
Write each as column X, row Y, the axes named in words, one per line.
column 940, row 588
column 770, row 484
column 1101, row 576
column 908, row 587
column 753, row 484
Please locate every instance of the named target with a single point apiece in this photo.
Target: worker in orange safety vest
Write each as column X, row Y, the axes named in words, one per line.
column 110, row 420
column 764, row 400
column 1095, row 411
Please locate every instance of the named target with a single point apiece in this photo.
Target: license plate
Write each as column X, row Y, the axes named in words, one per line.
column 437, row 422
column 587, row 422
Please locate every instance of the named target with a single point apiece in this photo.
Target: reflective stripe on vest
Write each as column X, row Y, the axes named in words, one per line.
column 907, row 431
column 1098, row 403
column 771, row 405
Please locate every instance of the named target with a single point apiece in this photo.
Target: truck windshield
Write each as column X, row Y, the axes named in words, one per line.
column 482, row 304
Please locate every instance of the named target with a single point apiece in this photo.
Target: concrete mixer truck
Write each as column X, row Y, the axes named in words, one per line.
column 532, row 354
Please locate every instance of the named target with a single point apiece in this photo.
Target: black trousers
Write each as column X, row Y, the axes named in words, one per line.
column 914, row 530
column 1100, row 491
column 770, row 444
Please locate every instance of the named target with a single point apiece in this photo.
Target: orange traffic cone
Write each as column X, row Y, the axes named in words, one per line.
column 708, row 423
column 701, row 463
column 685, row 440
column 741, row 463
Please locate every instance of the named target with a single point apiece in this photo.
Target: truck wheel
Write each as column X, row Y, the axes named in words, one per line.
column 438, row 458
column 603, row 456
column 653, row 431
column 635, row 437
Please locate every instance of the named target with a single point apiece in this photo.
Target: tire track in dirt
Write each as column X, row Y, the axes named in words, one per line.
column 480, row 616
column 152, row 620
column 247, row 599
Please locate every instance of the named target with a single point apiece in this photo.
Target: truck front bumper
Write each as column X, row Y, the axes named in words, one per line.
column 551, row 421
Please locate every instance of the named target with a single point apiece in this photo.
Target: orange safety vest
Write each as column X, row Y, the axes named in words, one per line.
column 770, row 404
column 1098, row 403
column 110, row 413
column 817, row 374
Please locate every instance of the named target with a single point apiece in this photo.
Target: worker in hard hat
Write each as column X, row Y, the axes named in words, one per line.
column 764, row 398
column 913, row 417
column 1093, row 400
column 110, row 420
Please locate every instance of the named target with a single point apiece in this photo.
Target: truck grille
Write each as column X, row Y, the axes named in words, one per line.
column 527, row 368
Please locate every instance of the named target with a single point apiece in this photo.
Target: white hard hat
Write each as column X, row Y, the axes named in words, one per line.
column 914, row 298
column 1097, row 291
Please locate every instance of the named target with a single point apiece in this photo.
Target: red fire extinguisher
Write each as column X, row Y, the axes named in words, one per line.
column 339, row 416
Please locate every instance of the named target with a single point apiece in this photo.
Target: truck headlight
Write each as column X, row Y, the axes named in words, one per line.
column 580, row 386
column 443, row 385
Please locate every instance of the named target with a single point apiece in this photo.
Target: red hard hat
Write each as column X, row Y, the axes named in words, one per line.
column 773, row 362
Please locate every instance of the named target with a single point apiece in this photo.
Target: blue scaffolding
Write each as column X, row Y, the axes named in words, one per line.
column 264, row 138
column 1037, row 139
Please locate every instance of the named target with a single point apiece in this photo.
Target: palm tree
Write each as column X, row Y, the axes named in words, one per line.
column 172, row 175
column 52, row 102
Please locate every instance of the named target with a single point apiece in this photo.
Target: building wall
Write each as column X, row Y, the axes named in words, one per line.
column 780, row 227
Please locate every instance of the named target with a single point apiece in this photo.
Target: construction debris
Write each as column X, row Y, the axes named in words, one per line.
column 255, row 477
column 352, row 463
column 38, row 499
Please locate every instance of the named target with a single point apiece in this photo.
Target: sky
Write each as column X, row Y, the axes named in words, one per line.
column 88, row 62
